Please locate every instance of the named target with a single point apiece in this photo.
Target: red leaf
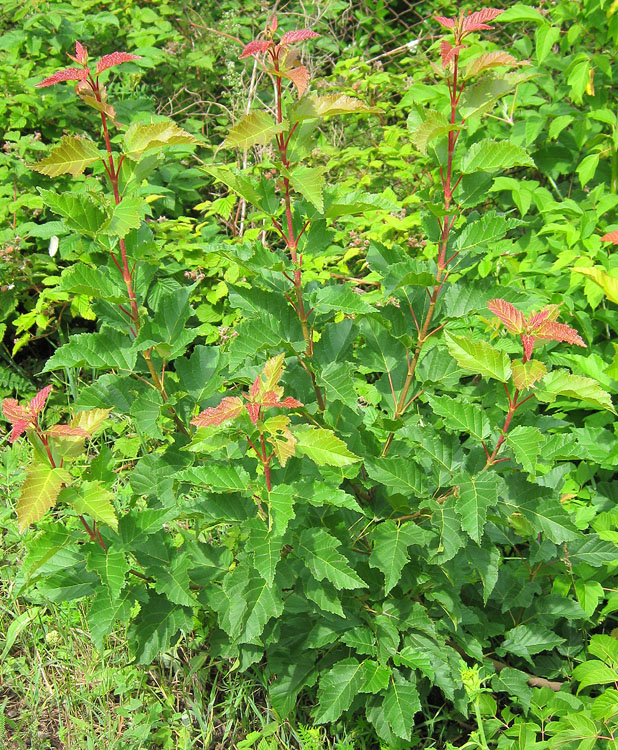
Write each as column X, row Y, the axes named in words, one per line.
column 273, row 24
column 255, row 388
column 254, row 48
column 38, row 402
column 448, row 23
column 528, row 344
column 290, row 403
column 81, row 53
column 116, row 58
column 448, row 52
column 19, row 428
column 535, row 320
column 254, row 411
column 610, row 237
column 272, row 399
column 552, row 331
column 512, row 318
column 68, row 74
column 13, row 411
column 476, row 21
column 300, row 78
column 229, row 408
column 67, row 430
column 297, row 36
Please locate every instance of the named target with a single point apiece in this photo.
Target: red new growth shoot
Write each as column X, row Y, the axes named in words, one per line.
column 464, row 25
column 84, row 73
column 22, row 417
column 610, row 237
column 539, row 325
column 264, row 393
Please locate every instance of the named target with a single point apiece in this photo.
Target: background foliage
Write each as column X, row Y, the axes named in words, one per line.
column 454, row 603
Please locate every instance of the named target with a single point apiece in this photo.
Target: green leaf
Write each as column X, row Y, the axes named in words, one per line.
column 390, row 548
column 592, row 550
column 400, row 474
column 93, row 282
column 526, row 374
column 434, row 125
column 563, row 383
column 479, row 357
column 475, row 496
column 589, row 594
column 217, row 477
column 322, row 446
column 541, row 508
column 168, row 331
column 489, row 155
column 172, row 579
column 309, row 182
column 127, row 215
column 105, row 611
column 323, row 594
column 92, row 499
column 593, row 672
column 480, row 235
column 609, row 284
column 461, row 416
column 71, row 156
column 400, row 705
column 266, row 549
column 357, row 202
column 108, row 349
column 39, row 492
column 253, row 129
column 525, row 640
column 341, row 298
column 526, row 444
column 605, row 647
column 141, row 137
column 483, row 95
column 338, row 688
column 159, row 621
column 587, row 167
column 375, row 676
column 319, row 551
column 79, row 211
column 311, row 107
column 112, row 565
column 254, row 335
column 236, row 181
column 485, row 562
column 338, row 378
column 281, row 501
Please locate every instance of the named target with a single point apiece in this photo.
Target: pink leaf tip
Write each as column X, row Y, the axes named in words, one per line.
column 116, row 58
column 298, row 36
column 512, row 318
column 255, row 47
column 477, row 21
column 68, row 74
column 610, row 237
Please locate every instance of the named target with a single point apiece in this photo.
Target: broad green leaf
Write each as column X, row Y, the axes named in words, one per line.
column 483, row 95
column 594, row 672
column 434, row 125
column 402, row 475
column 127, row 215
column 486, row 563
column 587, row 167
column 479, row 357
column 563, row 383
column 526, row 640
column 236, row 181
column 390, row 548
column 400, row 705
column 112, row 565
column 338, row 688
column 253, row 129
column 93, row 282
column 489, row 155
column 39, row 492
column 79, row 211
column 541, row 509
column 141, row 137
column 605, row 706
column 168, row 331
column 480, row 235
column 217, row 477
column 105, row 611
column 309, row 182
column 341, row 298
column 254, row 335
column 489, row 60
column 266, row 549
column 311, row 107
column 592, row 550
column 375, row 676
column 158, row 622
column 338, row 377
column 589, row 595
column 71, row 156
column 323, row 446
column 475, row 496
column 324, row 594
column 319, row 551
column 462, row 416
column 526, row 444
column 445, row 521
column 605, row 647
column 356, row 202
column 526, row 374
column 281, row 501
column 92, row 499
column 609, row 284
column 172, row 579
column 108, row 349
